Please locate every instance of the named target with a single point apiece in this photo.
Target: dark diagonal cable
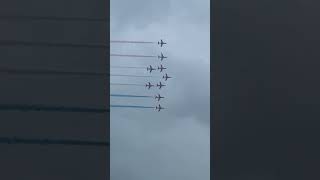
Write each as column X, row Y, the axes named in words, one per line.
column 50, row 44
column 51, row 18
column 48, row 72
column 21, row 107
column 16, row 140
column 55, row 72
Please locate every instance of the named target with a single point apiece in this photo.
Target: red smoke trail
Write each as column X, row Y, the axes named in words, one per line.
column 126, row 75
column 145, row 42
column 127, row 55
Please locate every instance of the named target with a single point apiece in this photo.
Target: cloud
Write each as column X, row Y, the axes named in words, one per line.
column 174, row 143
column 173, row 154
column 138, row 13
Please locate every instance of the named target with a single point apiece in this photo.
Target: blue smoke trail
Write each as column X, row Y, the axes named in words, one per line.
column 124, row 75
column 145, row 42
column 124, row 95
column 125, row 106
column 124, row 84
column 129, row 55
column 128, row 67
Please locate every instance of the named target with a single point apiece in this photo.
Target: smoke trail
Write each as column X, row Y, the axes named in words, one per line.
column 53, row 72
column 125, row 95
column 20, row 107
column 124, row 84
column 125, row 106
column 125, row 75
column 48, row 44
column 127, row 55
column 128, row 67
column 15, row 140
column 144, row 42
column 48, row 72
column 52, row 18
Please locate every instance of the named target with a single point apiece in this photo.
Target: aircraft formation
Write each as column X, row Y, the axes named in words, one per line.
column 165, row 77
column 152, row 69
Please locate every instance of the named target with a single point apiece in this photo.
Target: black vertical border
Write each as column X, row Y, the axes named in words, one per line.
column 271, row 50
column 214, row 89
column 108, row 91
column 18, row 158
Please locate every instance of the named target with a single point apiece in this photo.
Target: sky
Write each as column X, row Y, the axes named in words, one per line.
column 172, row 144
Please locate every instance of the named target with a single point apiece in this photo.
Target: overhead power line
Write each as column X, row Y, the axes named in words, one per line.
column 51, row 18
column 25, row 107
column 49, row 72
column 50, row 44
column 16, row 140
column 57, row 72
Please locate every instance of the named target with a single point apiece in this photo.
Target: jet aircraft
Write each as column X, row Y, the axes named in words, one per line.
column 161, row 68
column 158, row 97
column 162, row 57
column 150, row 69
column 160, row 85
column 149, row 85
column 159, row 108
column 166, row 77
column 161, row 43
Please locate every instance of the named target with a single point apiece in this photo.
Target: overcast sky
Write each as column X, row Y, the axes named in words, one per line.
column 172, row 144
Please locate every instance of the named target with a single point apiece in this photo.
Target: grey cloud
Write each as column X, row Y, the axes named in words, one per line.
column 173, row 154
column 191, row 91
column 141, row 13
column 172, row 144
column 138, row 13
